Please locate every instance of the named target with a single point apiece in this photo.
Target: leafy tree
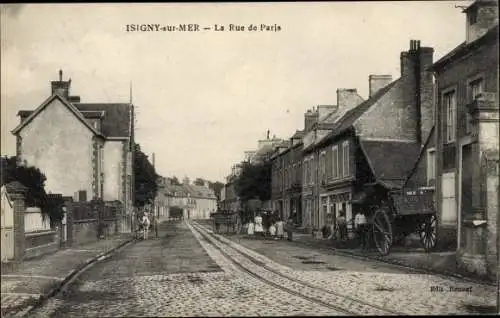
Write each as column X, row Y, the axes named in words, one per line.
column 174, row 180
column 199, row 182
column 145, row 184
column 216, row 187
column 34, row 180
column 254, row 181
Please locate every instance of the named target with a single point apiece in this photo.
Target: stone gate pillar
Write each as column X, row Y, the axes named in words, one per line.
column 17, row 193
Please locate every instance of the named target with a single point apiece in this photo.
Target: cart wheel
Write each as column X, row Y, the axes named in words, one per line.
column 428, row 233
column 382, row 232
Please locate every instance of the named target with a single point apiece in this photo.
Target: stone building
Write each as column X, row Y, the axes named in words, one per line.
column 84, row 149
column 369, row 145
column 467, row 116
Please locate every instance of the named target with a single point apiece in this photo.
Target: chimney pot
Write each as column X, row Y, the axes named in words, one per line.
column 60, row 75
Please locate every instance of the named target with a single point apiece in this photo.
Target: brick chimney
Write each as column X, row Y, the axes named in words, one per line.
column 481, row 16
column 419, row 86
column 61, row 87
column 310, row 118
column 377, row 82
column 348, row 98
column 325, row 110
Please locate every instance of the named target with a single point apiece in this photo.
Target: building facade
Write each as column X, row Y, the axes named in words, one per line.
column 369, row 143
column 292, row 193
column 94, row 142
column 467, row 139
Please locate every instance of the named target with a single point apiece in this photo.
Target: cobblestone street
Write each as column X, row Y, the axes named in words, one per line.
column 189, row 272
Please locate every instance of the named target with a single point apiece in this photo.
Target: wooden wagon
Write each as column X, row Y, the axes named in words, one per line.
column 400, row 213
column 228, row 220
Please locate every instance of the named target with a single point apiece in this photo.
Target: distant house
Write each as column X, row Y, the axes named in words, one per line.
column 84, row 149
column 204, row 200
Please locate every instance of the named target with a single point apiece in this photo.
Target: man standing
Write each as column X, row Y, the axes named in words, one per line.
column 342, row 226
column 361, row 227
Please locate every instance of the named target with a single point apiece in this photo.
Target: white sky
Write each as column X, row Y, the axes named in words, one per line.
column 204, row 98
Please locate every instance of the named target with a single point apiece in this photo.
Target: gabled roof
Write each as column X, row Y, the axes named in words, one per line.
column 390, row 161
column 349, row 118
column 354, row 114
column 199, row 191
column 463, row 48
column 298, row 134
column 116, row 119
column 40, row 108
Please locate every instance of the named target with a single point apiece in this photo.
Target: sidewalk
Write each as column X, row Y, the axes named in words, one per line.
column 35, row 280
column 442, row 263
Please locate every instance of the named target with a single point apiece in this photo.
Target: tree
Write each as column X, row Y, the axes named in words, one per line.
column 34, row 180
column 254, row 181
column 199, row 182
column 174, row 181
column 145, row 184
column 216, row 187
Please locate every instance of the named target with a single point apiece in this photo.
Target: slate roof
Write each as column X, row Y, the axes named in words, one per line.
column 199, row 191
column 349, row 118
column 116, row 119
column 464, row 47
column 115, row 116
column 390, row 161
column 299, row 134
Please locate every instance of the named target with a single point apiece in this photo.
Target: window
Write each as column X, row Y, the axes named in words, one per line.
column 335, row 162
column 431, row 166
column 475, row 88
column 322, row 162
column 345, row 157
column 450, row 105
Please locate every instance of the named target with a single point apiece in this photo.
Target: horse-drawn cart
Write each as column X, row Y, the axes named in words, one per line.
column 401, row 213
column 229, row 220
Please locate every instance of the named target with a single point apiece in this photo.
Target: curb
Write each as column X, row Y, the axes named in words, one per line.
column 69, row 277
column 402, row 264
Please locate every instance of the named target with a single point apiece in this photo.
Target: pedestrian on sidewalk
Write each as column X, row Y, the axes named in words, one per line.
column 156, row 225
column 361, row 227
column 342, row 226
column 259, row 230
column 272, row 229
column 280, row 234
column 289, row 228
column 145, row 226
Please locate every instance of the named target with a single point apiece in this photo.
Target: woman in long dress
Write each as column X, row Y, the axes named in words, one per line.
column 272, row 229
column 280, row 229
column 251, row 228
column 258, row 225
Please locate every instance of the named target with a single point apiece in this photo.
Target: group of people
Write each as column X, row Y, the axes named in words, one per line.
column 272, row 225
column 339, row 228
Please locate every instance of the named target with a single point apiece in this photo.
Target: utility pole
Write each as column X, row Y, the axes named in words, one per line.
column 156, row 211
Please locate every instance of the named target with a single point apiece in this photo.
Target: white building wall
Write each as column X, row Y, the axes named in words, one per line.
column 113, row 157
column 60, row 145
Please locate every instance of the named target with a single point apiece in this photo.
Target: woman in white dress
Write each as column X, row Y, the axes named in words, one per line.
column 251, row 228
column 280, row 233
column 272, row 229
column 258, row 225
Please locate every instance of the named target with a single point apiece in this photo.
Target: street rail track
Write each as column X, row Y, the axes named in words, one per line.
column 326, row 298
